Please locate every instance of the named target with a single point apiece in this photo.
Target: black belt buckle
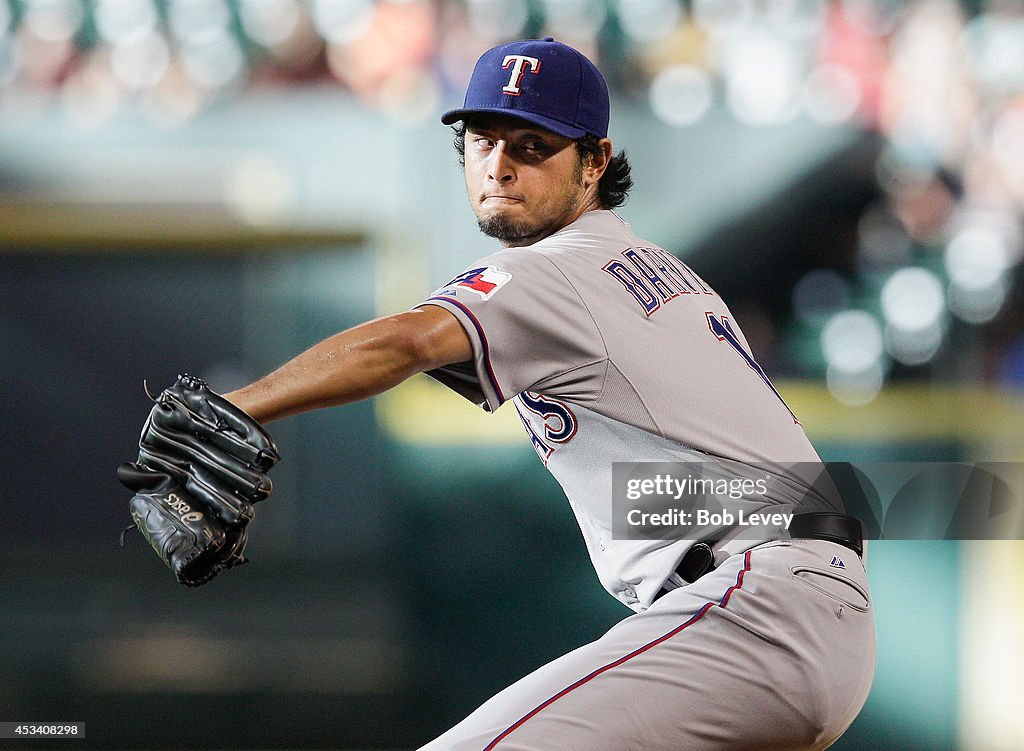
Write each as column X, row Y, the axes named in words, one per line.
column 699, row 560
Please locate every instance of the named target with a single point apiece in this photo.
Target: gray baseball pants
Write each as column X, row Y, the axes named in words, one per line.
column 775, row 650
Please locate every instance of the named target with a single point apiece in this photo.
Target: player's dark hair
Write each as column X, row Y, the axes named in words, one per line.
column 613, row 188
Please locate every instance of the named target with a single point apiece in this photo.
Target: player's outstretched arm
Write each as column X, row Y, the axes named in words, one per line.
column 357, row 363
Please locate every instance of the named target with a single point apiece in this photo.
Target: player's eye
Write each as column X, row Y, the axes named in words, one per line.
column 535, row 148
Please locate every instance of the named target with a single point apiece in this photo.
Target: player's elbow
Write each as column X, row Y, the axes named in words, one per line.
column 429, row 338
column 412, row 348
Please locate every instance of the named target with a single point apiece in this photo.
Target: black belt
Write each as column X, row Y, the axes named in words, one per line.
column 813, row 525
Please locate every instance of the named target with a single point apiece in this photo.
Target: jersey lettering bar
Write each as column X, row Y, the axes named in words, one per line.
column 654, row 276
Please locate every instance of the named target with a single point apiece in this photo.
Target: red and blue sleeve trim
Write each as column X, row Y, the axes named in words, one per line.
column 622, row 660
column 485, row 347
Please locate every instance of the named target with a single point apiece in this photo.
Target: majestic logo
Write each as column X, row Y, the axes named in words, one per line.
column 837, row 562
column 484, row 281
column 519, row 65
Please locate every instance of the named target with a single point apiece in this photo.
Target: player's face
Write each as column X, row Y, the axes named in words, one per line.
column 524, row 182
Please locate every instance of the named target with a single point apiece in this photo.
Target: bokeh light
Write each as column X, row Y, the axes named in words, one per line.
column 912, row 299
column 852, row 344
column 995, row 46
column 648, row 20
column 213, row 62
column 873, row 17
column 723, row 18
column 341, row 21
column 574, row 20
column 141, row 62
column 914, row 306
column 198, row 21
column 977, row 261
column 53, row 20
column 797, row 20
column 762, row 78
column 269, row 22
column 125, row 20
column 681, row 95
column 496, row 19
column 831, row 94
column 855, row 388
column 852, row 340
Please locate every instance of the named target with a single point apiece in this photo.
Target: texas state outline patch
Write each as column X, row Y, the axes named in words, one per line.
column 484, row 281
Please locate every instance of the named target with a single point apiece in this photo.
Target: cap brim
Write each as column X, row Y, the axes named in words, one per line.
column 562, row 129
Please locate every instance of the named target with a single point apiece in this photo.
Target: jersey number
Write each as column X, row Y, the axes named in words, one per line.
column 559, row 422
column 722, row 330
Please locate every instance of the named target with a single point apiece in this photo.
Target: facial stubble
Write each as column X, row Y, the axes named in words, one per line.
column 511, row 231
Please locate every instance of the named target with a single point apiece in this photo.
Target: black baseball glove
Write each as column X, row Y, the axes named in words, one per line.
column 202, row 465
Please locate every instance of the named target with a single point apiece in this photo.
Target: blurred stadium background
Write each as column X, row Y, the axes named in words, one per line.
column 212, row 185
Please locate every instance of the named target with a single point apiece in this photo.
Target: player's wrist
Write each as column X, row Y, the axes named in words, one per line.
column 237, row 397
column 249, row 401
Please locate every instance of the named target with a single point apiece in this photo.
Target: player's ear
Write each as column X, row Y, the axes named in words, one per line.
column 595, row 164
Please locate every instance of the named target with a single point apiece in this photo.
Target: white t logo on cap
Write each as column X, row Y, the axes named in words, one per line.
column 518, row 63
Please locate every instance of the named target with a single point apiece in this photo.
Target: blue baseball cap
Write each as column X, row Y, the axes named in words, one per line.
column 542, row 81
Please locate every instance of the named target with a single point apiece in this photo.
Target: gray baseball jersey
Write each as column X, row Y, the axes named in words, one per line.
column 613, row 350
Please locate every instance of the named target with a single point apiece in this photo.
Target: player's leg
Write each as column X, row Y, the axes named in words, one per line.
column 774, row 650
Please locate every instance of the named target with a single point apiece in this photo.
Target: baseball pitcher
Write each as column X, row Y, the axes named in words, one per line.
column 615, row 354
